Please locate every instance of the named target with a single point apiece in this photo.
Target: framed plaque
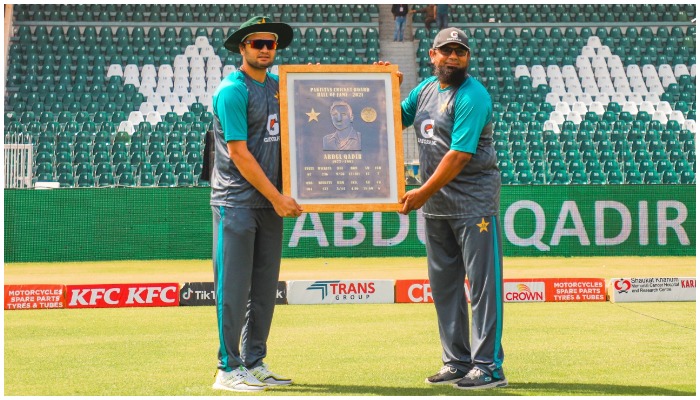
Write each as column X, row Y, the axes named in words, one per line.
column 341, row 137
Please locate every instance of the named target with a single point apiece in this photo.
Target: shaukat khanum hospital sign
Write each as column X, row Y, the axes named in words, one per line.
column 341, row 137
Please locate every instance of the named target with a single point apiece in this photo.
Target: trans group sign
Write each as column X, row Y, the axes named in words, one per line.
column 566, row 220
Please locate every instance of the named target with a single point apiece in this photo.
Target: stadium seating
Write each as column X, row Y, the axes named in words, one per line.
column 588, row 90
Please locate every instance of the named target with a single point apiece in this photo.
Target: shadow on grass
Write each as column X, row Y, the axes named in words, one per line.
column 513, row 389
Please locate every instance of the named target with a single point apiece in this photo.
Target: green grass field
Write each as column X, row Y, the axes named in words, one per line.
column 343, row 350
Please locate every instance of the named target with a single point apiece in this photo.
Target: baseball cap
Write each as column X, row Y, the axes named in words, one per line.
column 258, row 24
column 451, row 35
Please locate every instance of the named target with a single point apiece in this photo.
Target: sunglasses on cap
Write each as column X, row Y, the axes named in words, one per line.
column 447, row 51
column 260, row 43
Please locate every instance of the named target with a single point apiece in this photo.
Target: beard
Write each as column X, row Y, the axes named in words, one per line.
column 450, row 75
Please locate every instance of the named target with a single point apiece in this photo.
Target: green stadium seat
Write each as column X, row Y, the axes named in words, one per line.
column 155, row 147
column 85, row 180
column 143, row 167
column 156, row 157
column 81, row 156
column 174, row 146
column 596, row 177
column 664, row 165
column 576, row 165
column 633, row 177
column 66, row 179
column 610, row 165
column 592, row 165
column 675, row 155
column 103, row 168
column 522, row 165
column 166, row 179
column 146, row 179
column 105, row 180
column 44, row 168
column 525, row 177
column 122, row 167
column 63, row 147
column 44, row 152
column 646, row 165
column 44, row 177
column 560, row 178
column 579, row 177
column 658, row 155
column 669, row 177
column 163, row 167
column 507, row 177
column 687, row 177
column 651, row 177
column 185, row 179
column 126, row 179
column 63, row 157
column 557, row 165
column 538, row 163
column 120, row 157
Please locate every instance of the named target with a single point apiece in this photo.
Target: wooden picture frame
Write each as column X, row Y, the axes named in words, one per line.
column 342, row 143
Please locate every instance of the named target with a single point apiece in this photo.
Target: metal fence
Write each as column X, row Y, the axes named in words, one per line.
column 18, row 160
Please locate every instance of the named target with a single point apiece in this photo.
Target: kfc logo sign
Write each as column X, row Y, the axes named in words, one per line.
column 122, row 295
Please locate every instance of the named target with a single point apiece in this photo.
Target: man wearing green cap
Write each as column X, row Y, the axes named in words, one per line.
column 248, row 207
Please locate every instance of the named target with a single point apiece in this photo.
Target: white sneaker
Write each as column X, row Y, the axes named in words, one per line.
column 264, row 375
column 238, row 380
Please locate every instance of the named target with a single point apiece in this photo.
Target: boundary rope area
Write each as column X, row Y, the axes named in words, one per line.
column 658, row 319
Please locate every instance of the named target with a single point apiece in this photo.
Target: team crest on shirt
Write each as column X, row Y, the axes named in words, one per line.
column 483, row 226
column 273, row 128
column 427, row 131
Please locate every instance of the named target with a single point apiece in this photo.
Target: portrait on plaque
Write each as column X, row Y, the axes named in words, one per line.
column 341, row 137
column 345, row 137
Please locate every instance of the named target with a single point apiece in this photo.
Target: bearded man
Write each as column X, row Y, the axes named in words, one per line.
column 451, row 113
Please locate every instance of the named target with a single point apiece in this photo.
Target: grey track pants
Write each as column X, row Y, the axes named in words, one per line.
column 246, row 256
column 468, row 247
